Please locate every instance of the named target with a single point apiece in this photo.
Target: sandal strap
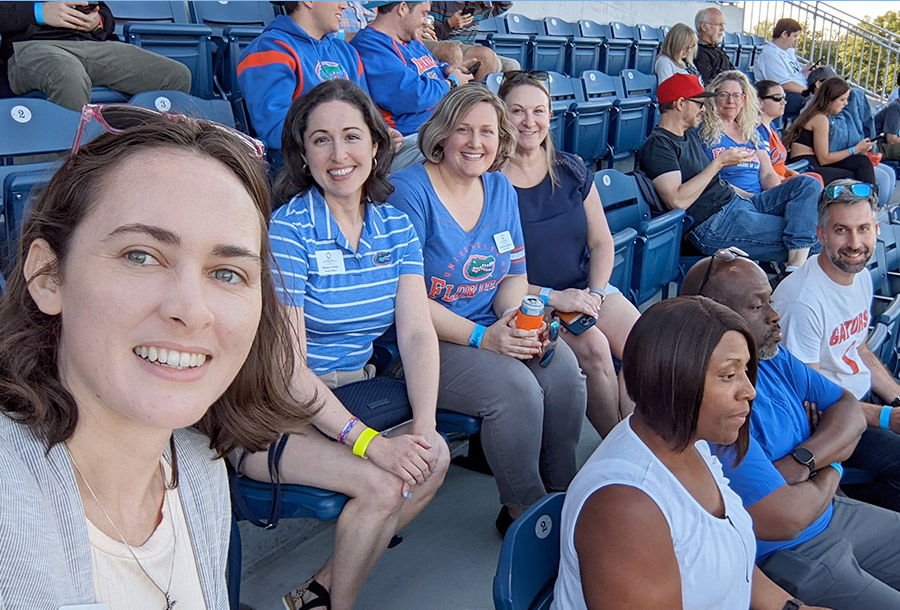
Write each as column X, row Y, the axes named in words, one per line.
column 321, row 600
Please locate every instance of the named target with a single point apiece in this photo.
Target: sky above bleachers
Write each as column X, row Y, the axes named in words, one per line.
column 865, row 8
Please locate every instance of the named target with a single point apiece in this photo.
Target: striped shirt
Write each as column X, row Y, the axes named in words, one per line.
column 347, row 295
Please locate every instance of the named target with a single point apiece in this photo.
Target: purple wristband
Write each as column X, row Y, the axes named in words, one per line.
column 347, row 428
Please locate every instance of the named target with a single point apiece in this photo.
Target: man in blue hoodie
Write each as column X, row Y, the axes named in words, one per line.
column 410, row 82
column 295, row 53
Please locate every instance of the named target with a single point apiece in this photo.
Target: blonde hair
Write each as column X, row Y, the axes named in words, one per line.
column 524, row 79
column 677, row 40
column 746, row 120
column 451, row 111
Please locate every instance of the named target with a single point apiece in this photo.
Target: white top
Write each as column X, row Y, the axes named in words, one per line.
column 715, row 556
column 825, row 322
column 118, row 579
column 665, row 66
column 779, row 65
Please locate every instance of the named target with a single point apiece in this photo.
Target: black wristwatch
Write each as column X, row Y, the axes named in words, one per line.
column 805, row 457
column 792, row 604
column 896, row 402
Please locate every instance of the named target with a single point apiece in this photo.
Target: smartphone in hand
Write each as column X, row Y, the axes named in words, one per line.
column 576, row 322
column 91, row 6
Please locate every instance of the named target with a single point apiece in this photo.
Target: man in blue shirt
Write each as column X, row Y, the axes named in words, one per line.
column 825, row 549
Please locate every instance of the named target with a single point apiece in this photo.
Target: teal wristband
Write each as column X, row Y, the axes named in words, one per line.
column 453, row 80
column 851, row 151
column 884, row 422
column 477, row 336
column 39, row 12
column 545, row 295
column 837, row 466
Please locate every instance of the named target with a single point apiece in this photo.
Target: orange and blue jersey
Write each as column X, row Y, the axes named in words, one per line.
column 284, row 63
column 407, row 81
column 463, row 269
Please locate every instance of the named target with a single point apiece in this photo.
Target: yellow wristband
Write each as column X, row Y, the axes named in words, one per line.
column 362, row 442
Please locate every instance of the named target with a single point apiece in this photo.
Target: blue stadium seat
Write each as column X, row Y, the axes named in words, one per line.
column 125, row 11
column 550, row 50
column 617, row 53
column 189, row 44
column 659, row 238
column 597, row 103
column 2, row 284
column 646, row 48
column 563, row 104
column 493, row 81
column 587, row 47
column 529, row 558
column 221, row 15
column 758, row 44
column 890, row 352
column 487, row 28
column 188, row 105
column 639, row 84
column 34, row 134
column 745, row 57
column 561, row 29
column 732, row 47
column 628, row 128
column 517, row 42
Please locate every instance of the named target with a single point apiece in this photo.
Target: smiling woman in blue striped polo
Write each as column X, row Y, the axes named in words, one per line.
column 350, row 266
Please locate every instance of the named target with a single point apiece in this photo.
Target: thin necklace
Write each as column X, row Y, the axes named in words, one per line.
column 170, row 603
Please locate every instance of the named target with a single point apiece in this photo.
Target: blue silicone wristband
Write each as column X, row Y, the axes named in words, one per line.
column 837, row 466
column 39, row 12
column 851, row 151
column 884, row 422
column 454, row 79
column 477, row 336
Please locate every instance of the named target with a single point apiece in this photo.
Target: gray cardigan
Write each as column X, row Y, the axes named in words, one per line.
column 45, row 558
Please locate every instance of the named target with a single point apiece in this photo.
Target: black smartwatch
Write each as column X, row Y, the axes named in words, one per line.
column 805, row 457
column 792, row 604
column 896, row 402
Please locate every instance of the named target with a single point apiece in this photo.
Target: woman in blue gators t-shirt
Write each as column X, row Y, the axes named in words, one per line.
column 467, row 218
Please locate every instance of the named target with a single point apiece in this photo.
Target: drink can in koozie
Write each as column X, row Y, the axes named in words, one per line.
column 531, row 313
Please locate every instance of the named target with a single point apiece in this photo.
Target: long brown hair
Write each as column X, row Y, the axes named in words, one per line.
column 829, row 91
column 253, row 410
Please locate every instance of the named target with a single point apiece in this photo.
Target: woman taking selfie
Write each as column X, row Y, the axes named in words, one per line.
column 129, row 318
column 349, row 267
column 569, row 245
column 531, row 401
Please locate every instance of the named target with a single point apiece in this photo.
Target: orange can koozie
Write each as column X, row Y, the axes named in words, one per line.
column 531, row 313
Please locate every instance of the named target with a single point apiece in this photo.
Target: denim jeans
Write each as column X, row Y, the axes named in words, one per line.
column 768, row 225
column 531, row 415
column 878, row 452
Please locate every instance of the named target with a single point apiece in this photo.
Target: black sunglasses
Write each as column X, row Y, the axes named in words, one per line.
column 522, row 75
column 726, row 255
column 777, row 97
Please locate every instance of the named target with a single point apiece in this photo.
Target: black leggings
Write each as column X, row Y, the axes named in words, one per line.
column 858, row 167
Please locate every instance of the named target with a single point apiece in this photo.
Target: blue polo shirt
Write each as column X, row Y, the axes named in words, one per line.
column 347, row 295
column 778, row 424
column 464, row 268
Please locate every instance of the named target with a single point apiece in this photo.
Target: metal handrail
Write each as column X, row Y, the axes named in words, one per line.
column 867, row 55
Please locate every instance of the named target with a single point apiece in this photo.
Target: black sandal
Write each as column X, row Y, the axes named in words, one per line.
column 321, row 600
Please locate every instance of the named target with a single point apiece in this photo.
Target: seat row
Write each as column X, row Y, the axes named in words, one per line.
column 557, row 45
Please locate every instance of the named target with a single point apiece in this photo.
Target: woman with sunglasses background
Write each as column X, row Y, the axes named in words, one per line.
column 349, row 267
column 130, row 319
column 807, row 137
column 465, row 213
column 772, row 101
column 677, row 53
column 569, row 245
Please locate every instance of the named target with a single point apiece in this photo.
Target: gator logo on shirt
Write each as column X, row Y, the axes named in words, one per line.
column 382, row 258
column 328, row 70
column 478, row 267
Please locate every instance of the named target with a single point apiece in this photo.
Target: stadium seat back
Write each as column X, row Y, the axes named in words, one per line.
column 745, row 57
column 638, row 84
column 177, row 102
column 551, row 50
column 587, row 47
column 628, row 129
column 563, row 103
column 596, row 107
column 732, row 46
column 493, row 81
column 220, row 15
column 517, row 40
column 125, row 12
column 529, row 558
column 188, row 44
column 646, row 48
column 617, row 53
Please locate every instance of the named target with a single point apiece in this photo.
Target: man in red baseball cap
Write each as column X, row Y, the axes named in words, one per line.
column 775, row 225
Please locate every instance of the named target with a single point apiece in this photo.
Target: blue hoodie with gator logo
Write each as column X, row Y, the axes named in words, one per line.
column 407, row 82
column 284, row 63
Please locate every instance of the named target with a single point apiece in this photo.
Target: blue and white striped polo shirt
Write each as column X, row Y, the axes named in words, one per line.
column 347, row 303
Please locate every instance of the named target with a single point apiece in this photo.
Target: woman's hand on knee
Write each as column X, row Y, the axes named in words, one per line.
column 408, row 457
column 440, row 451
column 572, row 300
column 504, row 338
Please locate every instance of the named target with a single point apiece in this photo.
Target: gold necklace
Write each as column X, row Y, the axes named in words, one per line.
column 170, row 603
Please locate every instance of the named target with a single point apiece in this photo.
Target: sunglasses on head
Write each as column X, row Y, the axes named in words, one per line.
column 118, row 118
column 524, row 75
column 726, row 255
column 858, row 189
column 775, row 97
column 552, row 336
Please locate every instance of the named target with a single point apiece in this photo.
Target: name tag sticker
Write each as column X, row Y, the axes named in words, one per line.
column 331, row 262
column 85, row 607
column 504, row 242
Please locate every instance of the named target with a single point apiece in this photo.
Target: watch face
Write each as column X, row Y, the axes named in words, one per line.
column 802, row 455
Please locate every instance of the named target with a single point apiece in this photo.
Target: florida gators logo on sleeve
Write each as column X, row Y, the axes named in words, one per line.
column 328, row 70
column 478, row 267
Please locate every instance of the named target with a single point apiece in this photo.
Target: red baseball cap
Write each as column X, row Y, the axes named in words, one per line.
column 680, row 85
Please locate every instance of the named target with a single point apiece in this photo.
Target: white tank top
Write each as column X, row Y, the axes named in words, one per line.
column 715, row 556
